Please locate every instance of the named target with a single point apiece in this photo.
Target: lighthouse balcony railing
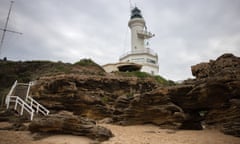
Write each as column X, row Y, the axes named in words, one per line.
column 145, row 51
column 145, row 34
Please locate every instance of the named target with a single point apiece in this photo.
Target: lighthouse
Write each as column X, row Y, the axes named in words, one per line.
column 140, row 52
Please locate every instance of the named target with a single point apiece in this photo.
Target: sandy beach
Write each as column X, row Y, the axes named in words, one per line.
column 139, row 134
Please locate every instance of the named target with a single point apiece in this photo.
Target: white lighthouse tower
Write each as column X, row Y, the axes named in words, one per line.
column 140, row 52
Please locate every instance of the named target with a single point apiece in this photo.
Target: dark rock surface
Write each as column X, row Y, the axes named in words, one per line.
column 192, row 121
column 66, row 123
column 217, row 90
column 151, row 107
column 226, row 65
column 127, row 100
column 88, row 96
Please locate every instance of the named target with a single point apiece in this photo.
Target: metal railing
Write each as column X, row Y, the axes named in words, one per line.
column 11, row 91
column 145, row 34
column 37, row 106
column 29, row 104
column 145, row 51
column 19, row 102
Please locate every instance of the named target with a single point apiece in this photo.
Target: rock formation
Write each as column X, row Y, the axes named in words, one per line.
column 217, row 91
column 213, row 97
column 66, row 123
column 89, row 96
column 124, row 99
column 151, row 107
column 137, row 101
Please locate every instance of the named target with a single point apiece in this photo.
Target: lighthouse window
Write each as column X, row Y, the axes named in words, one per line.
column 151, row 61
column 138, row 60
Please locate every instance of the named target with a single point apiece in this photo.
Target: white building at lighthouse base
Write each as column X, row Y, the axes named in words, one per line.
column 147, row 58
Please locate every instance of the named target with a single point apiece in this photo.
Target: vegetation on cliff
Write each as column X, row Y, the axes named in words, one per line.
column 33, row 70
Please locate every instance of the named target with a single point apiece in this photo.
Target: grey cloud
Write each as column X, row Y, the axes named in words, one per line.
column 187, row 32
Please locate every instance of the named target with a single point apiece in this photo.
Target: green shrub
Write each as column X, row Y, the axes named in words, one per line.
column 86, row 62
column 143, row 75
column 135, row 74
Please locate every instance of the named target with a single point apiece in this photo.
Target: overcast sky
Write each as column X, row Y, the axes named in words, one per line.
column 187, row 31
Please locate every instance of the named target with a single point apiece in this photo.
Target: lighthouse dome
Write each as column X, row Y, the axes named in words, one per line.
column 136, row 13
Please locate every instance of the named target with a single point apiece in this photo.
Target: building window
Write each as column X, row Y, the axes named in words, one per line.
column 151, row 61
column 138, row 60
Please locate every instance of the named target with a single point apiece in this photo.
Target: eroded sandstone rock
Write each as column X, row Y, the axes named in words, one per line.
column 66, row 123
column 89, row 96
column 217, row 90
column 151, row 107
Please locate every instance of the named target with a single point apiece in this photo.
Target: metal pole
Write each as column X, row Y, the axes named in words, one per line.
column 5, row 27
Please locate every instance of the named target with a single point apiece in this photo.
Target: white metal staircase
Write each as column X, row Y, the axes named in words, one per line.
column 19, row 95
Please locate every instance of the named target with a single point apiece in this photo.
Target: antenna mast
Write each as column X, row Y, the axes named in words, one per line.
column 5, row 28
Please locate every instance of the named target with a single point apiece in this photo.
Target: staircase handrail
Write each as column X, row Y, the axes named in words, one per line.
column 28, row 104
column 11, row 91
column 13, row 87
column 37, row 106
column 28, row 90
column 22, row 103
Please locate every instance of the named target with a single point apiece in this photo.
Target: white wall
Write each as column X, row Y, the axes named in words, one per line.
column 143, row 60
column 110, row 68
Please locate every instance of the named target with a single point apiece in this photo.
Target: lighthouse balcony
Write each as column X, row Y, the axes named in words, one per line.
column 144, row 34
column 146, row 51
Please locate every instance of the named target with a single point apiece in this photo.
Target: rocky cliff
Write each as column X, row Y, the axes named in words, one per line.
column 87, row 95
column 212, row 98
column 216, row 92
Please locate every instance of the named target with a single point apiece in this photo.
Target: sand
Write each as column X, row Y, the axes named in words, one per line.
column 149, row 134
column 139, row 134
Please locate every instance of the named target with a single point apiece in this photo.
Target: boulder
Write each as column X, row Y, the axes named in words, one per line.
column 67, row 123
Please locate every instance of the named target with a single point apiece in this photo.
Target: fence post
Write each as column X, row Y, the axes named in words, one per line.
column 7, row 101
column 37, row 108
column 22, row 109
column 16, row 102
column 31, row 115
